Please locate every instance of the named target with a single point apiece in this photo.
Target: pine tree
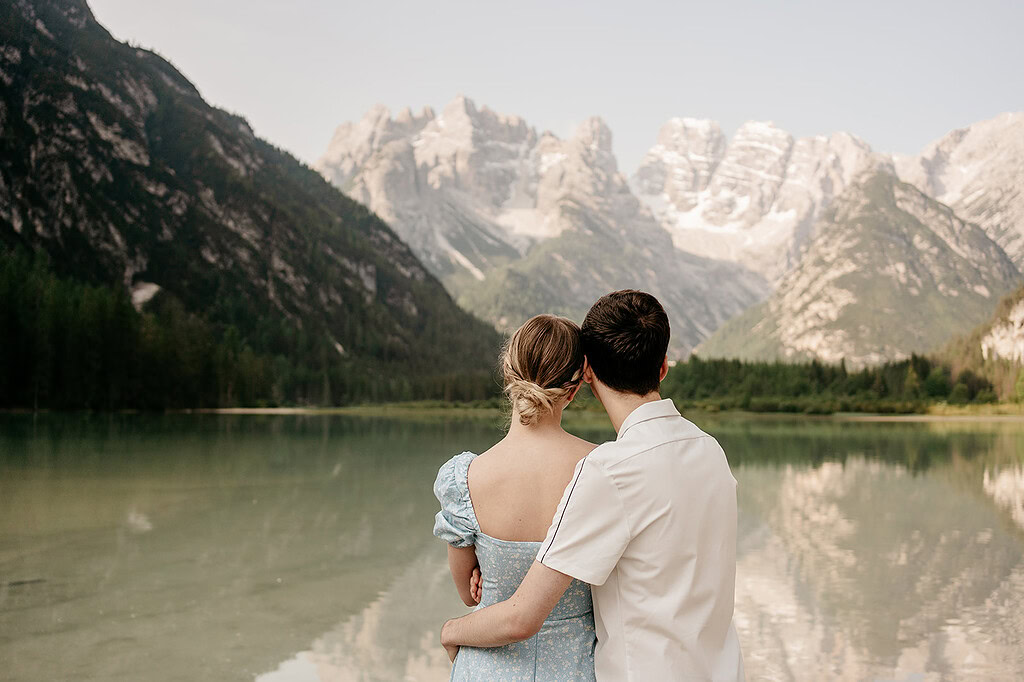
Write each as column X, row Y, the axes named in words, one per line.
column 912, row 384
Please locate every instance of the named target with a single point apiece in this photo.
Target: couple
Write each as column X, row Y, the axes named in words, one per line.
column 615, row 562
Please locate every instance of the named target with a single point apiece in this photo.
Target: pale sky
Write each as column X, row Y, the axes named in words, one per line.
column 897, row 73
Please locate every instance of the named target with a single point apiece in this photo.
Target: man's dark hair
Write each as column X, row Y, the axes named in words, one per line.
column 625, row 338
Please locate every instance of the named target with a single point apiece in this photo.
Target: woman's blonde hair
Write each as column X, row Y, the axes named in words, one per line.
column 542, row 363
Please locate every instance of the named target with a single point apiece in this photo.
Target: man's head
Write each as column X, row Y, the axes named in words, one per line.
column 625, row 339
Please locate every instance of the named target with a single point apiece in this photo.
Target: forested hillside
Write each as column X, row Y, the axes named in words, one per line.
column 256, row 280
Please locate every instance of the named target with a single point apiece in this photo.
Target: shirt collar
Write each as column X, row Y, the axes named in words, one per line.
column 653, row 410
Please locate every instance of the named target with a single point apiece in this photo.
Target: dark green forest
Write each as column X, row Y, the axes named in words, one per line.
column 69, row 344
column 817, row 388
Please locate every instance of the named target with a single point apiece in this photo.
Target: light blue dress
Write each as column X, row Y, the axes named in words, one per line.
column 564, row 647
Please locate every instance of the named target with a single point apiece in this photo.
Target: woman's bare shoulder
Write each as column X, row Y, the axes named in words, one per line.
column 491, row 465
column 580, row 447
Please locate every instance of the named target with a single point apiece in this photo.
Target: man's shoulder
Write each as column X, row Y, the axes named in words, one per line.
column 676, row 433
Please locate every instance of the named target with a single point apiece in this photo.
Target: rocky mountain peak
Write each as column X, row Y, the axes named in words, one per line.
column 594, row 133
column 976, row 170
column 693, row 141
column 686, row 127
column 459, row 116
column 890, row 272
column 680, row 165
column 752, row 199
column 763, row 130
column 406, row 117
column 353, row 144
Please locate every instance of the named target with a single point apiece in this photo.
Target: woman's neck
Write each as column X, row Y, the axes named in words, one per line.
column 545, row 424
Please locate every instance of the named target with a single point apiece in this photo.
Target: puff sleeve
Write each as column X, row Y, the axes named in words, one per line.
column 456, row 523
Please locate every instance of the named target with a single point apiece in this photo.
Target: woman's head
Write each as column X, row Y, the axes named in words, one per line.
column 542, row 364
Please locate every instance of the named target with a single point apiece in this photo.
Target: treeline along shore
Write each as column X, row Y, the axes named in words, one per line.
column 908, row 386
column 67, row 344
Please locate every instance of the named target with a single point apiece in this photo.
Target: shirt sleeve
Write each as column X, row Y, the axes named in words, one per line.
column 589, row 531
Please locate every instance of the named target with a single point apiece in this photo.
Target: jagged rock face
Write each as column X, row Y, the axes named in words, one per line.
column 753, row 200
column 517, row 223
column 747, row 180
column 680, row 165
column 890, row 272
column 354, row 143
column 977, row 171
column 114, row 165
column 493, row 171
column 441, row 181
column 1005, row 338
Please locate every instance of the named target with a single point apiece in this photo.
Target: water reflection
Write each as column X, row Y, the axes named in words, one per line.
column 863, row 571
column 298, row 549
column 1006, row 488
column 204, row 547
column 393, row 638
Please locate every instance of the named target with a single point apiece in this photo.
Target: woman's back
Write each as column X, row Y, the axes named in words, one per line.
column 517, row 484
column 564, row 647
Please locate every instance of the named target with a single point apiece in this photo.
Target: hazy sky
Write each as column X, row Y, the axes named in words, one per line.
column 897, row 73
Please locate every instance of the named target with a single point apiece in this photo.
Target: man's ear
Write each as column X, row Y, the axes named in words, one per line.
column 664, row 370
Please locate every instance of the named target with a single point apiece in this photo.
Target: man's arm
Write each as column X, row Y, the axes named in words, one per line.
column 517, row 618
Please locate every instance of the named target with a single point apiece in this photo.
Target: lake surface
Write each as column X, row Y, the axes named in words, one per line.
column 299, row 548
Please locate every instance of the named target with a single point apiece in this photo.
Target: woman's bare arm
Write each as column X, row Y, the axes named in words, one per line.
column 462, row 561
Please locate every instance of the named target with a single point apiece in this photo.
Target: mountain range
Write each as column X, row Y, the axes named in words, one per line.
column 517, row 222
column 114, row 166
column 763, row 245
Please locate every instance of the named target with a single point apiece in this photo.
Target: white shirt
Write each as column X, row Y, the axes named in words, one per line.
column 649, row 520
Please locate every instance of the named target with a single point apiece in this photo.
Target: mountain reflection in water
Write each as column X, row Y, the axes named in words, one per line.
column 298, row 549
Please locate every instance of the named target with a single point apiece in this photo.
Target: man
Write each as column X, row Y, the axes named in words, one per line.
column 648, row 520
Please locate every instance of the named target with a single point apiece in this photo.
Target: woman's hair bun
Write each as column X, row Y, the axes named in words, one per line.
column 542, row 363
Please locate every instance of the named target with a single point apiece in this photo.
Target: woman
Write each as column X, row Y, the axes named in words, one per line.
column 496, row 508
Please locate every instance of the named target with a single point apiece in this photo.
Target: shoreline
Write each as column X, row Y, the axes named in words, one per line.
column 412, row 409
column 1001, row 413
column 931, row 418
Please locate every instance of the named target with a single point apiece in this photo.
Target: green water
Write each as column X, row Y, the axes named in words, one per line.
column 298, row 548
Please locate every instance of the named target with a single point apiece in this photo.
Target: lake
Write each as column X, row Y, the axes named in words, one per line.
column 298, row 548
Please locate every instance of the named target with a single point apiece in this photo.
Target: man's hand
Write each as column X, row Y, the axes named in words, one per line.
column 476, row 585
column 451, row 649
